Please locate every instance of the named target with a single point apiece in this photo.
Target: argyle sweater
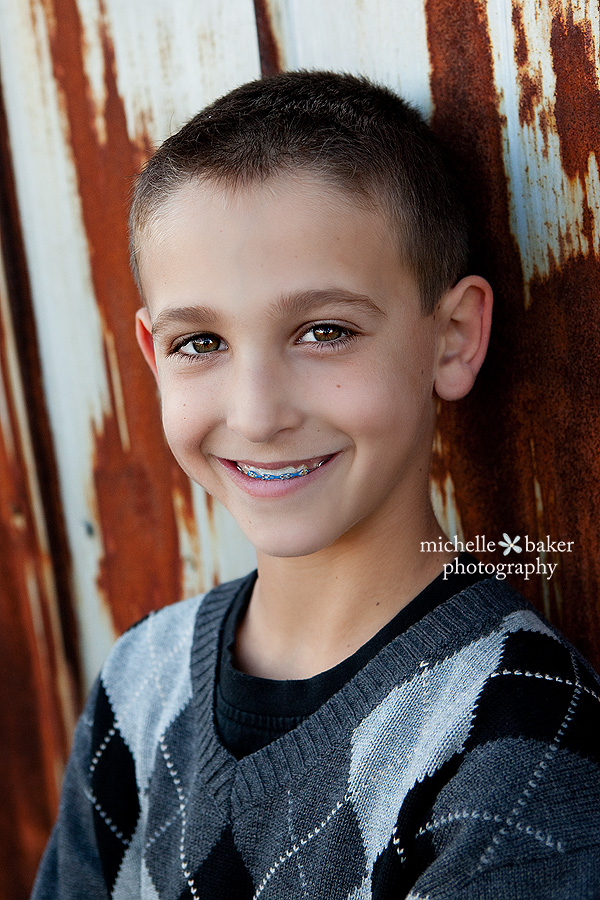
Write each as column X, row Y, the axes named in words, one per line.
column 463, row 761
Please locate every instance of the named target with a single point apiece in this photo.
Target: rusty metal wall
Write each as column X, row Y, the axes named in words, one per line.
column 38, row 702
column 98, row 524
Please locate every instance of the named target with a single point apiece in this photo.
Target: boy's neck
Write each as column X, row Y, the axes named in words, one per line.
column 309, row 613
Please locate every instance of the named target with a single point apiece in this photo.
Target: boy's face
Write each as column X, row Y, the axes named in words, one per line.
column 289, row 340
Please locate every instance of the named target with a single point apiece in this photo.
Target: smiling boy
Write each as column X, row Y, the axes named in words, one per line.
column 344, row 723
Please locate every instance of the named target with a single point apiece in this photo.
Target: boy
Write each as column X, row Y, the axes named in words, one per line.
column 345, row 723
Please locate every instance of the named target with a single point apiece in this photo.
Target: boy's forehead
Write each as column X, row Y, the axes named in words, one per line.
column 283, row 230
column 302, row 192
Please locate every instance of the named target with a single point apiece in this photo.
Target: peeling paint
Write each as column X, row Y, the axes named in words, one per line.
column 133, row 476
column 171, row 59
column 530, row 84
column 91, row 85
column 552, row 179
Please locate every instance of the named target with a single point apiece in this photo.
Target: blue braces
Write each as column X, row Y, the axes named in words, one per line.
column 285, row 477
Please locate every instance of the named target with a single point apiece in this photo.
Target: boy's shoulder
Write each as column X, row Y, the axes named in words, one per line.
column 491, row 626
column 168, row 633
column 150, row 667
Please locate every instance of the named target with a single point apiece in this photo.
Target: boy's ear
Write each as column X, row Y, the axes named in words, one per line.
column 143, row 333
column 465, row 316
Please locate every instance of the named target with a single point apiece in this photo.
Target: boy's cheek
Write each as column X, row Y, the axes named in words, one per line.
column 182, row 427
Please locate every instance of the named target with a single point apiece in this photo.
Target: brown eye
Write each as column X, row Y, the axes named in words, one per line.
column 327, row 332
column 201, row 344
column 205, row 344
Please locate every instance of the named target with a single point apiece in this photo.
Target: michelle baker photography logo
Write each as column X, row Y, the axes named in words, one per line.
column 535, row 559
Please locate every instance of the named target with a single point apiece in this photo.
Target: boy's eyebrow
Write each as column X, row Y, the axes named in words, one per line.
column 300, row 302
column 296, row 303
column 186, row 315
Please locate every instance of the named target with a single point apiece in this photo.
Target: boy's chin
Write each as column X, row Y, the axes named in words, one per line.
column 287, row 546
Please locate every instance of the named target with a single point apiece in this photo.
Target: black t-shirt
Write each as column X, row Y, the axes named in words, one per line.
column 252, row 712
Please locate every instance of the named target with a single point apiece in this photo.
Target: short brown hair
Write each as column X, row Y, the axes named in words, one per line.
column 359, row 137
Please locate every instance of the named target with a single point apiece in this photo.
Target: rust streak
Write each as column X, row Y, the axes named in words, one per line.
column 521, row 48
column 134, row 473
column 268, row 48
column 23, row 321
column 467, row 118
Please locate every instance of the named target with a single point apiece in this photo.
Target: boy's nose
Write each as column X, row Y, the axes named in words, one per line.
column 261, row 403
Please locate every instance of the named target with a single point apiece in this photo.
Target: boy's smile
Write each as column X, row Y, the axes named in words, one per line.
column 295, row 366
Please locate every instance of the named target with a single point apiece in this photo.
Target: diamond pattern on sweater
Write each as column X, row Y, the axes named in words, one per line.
column 399, row 864
column 418, row 727
column 413, row 731
column 116, row 808
column 222, row 875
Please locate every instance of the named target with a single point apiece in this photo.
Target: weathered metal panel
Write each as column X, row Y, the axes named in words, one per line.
column 515, row 88
column 549, row 104
column 89, row 88
column 37, row 699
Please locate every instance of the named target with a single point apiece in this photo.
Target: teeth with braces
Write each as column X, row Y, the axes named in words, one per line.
column 277, row 474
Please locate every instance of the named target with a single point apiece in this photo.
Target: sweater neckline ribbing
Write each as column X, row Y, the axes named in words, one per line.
column 475, row 610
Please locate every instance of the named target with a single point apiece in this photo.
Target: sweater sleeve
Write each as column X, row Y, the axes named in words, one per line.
column 514, row 823
column 71, row 866
column 520, row 815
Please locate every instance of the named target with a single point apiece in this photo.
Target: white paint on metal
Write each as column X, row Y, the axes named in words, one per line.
column 592, row 190
column 385, row 41
column 190, row 548
column 92, row 26
column 547, row 207
column 117, row 390
column 171, row 59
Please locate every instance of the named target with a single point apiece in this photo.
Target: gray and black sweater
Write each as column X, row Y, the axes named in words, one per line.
column 462, row 761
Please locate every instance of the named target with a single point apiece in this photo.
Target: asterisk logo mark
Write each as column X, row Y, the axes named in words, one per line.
column 510, row 544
